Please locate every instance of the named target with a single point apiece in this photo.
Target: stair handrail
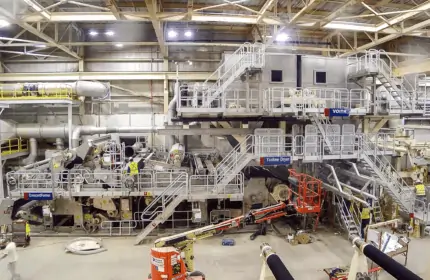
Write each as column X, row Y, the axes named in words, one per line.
column 180, row 179
column 228, row 161
column 344, row 214
column 402, row 187
column 243, row 52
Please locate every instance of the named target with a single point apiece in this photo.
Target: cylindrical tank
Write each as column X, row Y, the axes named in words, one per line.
column 166, row 263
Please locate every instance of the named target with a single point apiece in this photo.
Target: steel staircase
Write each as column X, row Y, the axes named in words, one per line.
column 380, row 166
column 377, row 212
column 249, row 57
column 325, row 128
column 170, row 198
column 233, row 163
column 348, row 219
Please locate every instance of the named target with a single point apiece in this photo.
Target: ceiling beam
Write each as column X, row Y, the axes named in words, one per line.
column 337, row 12
column 388, row 38
column 36, row 32
column 151, row 5
column 267, row 5
column 112, row 5
column 415, row 68
column 309, row 4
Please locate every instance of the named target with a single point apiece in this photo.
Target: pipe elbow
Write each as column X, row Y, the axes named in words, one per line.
column 76, row 136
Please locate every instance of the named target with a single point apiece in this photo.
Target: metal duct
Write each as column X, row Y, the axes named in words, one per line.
column 91, row 130
column 36, row 130
column 59, row 143
column 80, row 88
column 33, row 152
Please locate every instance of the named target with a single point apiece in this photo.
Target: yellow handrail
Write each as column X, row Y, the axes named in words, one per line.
column 23, row 93
column 14, row 145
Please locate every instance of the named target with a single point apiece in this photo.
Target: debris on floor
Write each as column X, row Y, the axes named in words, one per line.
column 85, row 246
column 228, row 242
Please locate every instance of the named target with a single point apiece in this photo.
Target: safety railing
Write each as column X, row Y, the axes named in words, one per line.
column 314, row 99
column 177, row 219
column 247, row 56
column 374, row 156
column 350, row 219
column 13, row 146
column 119, row 228
column 33, row 181
column 34, row 92
column 178, row 186
column 205, row 184
column 232, row 100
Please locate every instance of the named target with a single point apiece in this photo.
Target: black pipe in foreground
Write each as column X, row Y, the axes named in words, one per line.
column 395, row 269
column 278, row 268
column 280, row 272
column 298, row 71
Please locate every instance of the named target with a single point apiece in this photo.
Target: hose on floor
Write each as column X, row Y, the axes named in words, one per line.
column 71, row 249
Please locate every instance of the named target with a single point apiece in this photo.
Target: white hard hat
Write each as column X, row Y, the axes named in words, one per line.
column 418, row 181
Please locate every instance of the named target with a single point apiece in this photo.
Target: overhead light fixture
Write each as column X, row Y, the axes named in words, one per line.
column 119, row 45
column 188, row 33
column 172, row 34
column 109, row 33
column 190, row 62
column 282, row 37
column 93, row 33
column 3, row 23
column 40, row 46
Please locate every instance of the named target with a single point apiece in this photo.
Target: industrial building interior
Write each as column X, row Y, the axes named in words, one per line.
column 260, row 139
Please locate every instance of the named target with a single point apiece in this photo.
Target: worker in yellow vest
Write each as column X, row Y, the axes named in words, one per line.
column 420, row 195
column 132, row 168
column 366, row 211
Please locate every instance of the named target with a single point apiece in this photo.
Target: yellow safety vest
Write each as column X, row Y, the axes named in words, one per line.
column 365, row 213
column 133, row 168
column 27, row 229
column 420, row 190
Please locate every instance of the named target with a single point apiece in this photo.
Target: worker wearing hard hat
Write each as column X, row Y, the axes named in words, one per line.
column 420, row 195
column 132, row 168
column 366, row 211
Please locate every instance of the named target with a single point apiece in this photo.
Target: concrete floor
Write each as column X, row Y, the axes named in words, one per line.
column 45, row 259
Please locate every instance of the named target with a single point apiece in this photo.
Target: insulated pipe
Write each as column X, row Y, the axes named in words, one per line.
column 333, row 172
column 33, row 152
column 395, row 269
column 80, row 88
column 91, row 130
column 280, row 272
column 36, row 130
column 39, row 163
column 59, row 143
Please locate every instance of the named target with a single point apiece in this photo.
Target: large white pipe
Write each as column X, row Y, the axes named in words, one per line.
column 80, row 88
column 33, row 152
column 36, row 130
column 91, row 130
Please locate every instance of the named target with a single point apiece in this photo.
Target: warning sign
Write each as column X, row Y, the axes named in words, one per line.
column 158, row 263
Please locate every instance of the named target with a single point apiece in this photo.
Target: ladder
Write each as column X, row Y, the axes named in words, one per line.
column 349, row 219
column 377, row 212
column 326, row 129
column 170, row 198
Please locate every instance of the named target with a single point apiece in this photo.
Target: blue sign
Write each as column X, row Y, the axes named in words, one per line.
column 275, row 160
column 38, row 196
column 337, row 112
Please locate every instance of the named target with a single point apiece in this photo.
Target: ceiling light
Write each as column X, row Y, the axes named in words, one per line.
column 40, row 46
column 172, row 34
column 188, row 33
column 94, row 33
column 282, row 37
column 3, row 23
column 119, row 45
column 190, row 62
column 109, row 33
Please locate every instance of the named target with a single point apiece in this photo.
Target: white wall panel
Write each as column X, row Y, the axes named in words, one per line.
column 123, row 66
column 335, row 68
column 42, row 67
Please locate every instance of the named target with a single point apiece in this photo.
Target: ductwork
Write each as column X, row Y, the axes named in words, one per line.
column 36, row 130
column 80, row 88
column 33, row 152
